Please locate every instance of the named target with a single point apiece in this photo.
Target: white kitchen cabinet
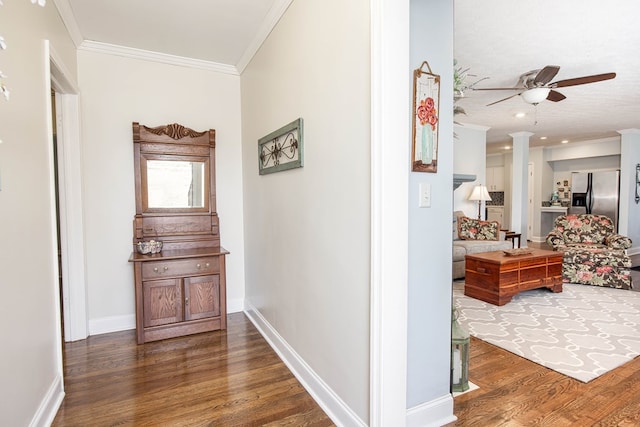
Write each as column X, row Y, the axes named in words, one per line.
column 496, row 213
column 495, row 178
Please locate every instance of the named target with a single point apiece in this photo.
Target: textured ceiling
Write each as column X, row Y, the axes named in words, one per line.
column 498, row 39
column 502, row 39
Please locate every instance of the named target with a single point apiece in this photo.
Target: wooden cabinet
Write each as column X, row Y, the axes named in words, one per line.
column 179, row 296
column 495, row 178
column 182, row 289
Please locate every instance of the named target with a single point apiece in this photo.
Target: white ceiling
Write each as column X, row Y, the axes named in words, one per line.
column 220, row 31
column 502, row 39
column 498, row 39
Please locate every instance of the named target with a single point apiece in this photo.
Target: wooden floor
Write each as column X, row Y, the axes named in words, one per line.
column 223, row 378
column 517, row 392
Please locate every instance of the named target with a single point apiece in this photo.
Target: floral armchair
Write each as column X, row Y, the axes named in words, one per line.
column 593, row 253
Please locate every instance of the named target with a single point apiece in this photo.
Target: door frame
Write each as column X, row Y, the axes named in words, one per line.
column 70, row 215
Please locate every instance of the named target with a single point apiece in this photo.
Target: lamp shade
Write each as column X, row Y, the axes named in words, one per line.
column 535, row 95
column 480, row 193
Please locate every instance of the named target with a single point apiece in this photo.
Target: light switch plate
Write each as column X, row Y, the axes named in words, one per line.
column 424, row 200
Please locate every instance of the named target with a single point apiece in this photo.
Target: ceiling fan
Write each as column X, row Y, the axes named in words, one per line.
column 534, row 86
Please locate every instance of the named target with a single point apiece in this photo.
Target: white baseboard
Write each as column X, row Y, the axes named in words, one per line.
column 536, row 239
column 328, row 400
column 437, row 412
column 235, row 305
column 105, row 325
column 49, row 406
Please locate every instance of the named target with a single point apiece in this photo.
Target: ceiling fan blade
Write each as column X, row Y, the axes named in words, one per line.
column 583, row 80
column 504, row 99
column 498, row 88
column 545, row 75
column 555, row 96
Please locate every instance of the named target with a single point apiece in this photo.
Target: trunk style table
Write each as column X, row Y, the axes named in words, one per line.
column 495, row 277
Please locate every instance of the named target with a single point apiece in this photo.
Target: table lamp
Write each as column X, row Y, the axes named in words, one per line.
column 480, row 194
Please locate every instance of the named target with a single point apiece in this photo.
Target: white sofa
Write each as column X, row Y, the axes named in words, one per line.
column 461, row 248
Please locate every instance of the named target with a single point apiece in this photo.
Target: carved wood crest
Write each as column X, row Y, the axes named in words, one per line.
column 175, row 131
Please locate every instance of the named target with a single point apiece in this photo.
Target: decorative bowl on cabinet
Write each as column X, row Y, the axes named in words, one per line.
column 149, row 247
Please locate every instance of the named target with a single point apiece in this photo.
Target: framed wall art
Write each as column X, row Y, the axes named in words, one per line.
column 426, row 114
column 282, row 149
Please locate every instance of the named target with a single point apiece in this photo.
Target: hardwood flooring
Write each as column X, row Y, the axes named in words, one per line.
column 222, row 378
column 514, row 391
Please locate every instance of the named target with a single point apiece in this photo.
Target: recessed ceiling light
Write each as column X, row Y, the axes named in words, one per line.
column 543, row 137
column 520, row 115
column 564, row 141
column 507, row 147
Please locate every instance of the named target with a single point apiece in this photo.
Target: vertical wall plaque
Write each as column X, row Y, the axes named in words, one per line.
column 426, row 113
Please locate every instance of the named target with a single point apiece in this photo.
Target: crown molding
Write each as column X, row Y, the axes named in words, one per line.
column 69, row 20
column 276, row 12
column 129, row 52
column 629, row 131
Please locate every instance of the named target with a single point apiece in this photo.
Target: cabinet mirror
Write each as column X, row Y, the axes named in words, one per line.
column 174, row 183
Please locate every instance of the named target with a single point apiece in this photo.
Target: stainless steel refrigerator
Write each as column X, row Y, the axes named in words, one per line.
column 596, row 192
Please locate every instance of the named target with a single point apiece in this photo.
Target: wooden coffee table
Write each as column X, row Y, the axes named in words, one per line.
column 495, row 277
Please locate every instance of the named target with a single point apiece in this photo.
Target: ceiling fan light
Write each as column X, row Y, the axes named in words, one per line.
column 535, row 95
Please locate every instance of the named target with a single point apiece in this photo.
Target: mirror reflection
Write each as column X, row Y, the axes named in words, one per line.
column 175, row 184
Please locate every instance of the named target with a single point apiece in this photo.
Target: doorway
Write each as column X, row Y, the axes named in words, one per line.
column 69, row 218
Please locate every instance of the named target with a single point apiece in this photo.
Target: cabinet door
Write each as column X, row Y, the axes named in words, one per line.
column 162, row 302
column 201, row 297
column 495, row 178
column 495, row 214
column 498, row 178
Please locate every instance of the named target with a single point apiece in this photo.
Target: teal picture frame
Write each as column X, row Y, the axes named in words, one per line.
column 282, row 149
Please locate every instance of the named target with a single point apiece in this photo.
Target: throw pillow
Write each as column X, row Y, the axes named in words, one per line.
column 473, row 229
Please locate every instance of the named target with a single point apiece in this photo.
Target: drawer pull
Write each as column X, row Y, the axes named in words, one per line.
column 198, row 266
column 482, row 270
column 186, row 301
column 165, row 268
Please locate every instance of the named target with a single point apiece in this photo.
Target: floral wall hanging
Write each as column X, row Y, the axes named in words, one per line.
column 426, row 113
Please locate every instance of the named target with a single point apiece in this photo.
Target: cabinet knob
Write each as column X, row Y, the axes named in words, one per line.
column 166, row 268
column 186, row 301
column 155, row 269
column 198, row 265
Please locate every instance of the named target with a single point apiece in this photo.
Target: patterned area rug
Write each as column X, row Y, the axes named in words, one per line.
column 583, row 332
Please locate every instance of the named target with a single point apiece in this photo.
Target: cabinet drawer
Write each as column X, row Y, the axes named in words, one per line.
column 180, row 267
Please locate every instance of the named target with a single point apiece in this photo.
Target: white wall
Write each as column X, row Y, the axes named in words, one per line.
column 469, row 157
column 430, row 244
column 307, row 230
column 593, row 148
column 117, row 91
column 30, row 360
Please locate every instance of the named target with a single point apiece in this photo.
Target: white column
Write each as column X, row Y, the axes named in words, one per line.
column 519, row 187
column 629, row 216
